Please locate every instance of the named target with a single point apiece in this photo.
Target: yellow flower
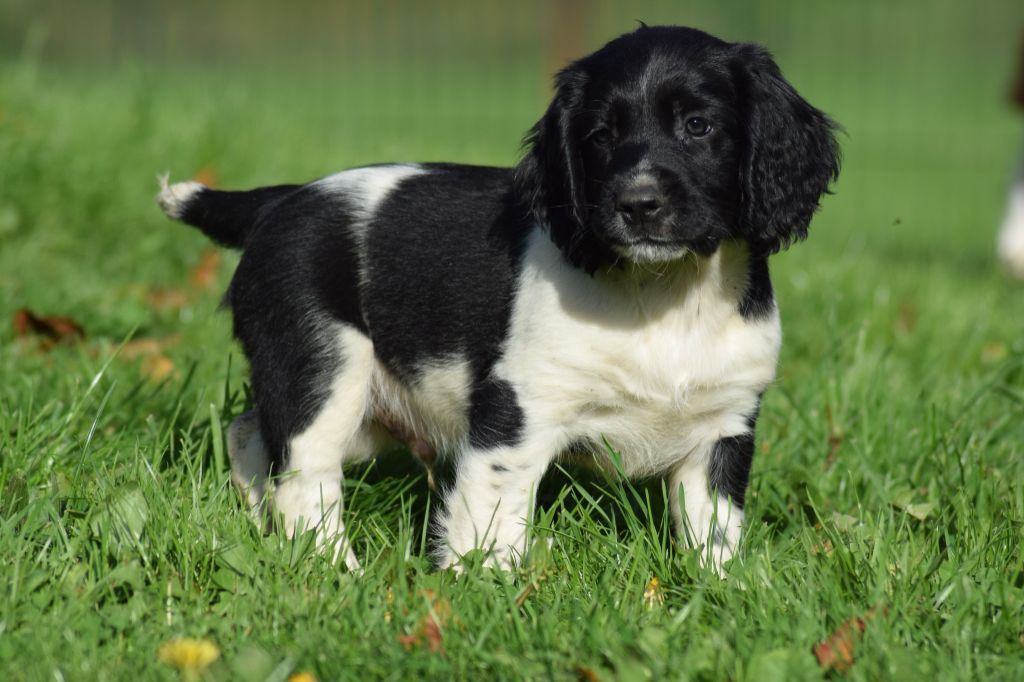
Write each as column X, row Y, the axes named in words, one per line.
column 654, row 594
column 302, row 677
column 189, row 655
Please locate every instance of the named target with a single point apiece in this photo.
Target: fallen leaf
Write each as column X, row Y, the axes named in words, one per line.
column 825, row 548
column 654, row 593
column 52, row 329
column 428, row 629
column 906, row 319
column 837, row 651
column 585, row 674
column 202, row 277
column 189, row 655
column 204, row 274
column 207, row 176
column 835, row 438
column 389, row 605
column 157, row 367
column 993, row 352
column 141, row 347
column 168, row 298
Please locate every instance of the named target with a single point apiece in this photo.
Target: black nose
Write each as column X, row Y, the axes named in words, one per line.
column 639, row 203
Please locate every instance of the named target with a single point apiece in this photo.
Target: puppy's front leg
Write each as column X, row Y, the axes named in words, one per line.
column 709, row 515
column 492, row 501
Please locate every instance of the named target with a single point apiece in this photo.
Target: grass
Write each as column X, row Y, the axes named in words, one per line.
column 889, row 462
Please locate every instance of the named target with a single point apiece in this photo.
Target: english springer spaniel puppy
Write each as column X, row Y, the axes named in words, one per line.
column 610, row 294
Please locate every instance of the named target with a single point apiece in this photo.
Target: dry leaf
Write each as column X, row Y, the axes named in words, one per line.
column 389, row 605
column 157, row 367
column 825, row 548
column 654, row 593
column 585, row 674
column 992, row 353
column 204, row 274
column 207, row 176
column 52, row 329
column 906, row 319
column 168, row 299
column 202, row 277
column 141, row 347
column 835, row 438
column 836, row 652
column 189, row 655
column 428, row 630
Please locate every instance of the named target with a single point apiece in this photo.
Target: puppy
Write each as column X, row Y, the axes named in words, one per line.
column 611, row 289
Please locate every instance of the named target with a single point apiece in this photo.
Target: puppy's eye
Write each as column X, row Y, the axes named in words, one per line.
column 697, row 126
column 601, row 137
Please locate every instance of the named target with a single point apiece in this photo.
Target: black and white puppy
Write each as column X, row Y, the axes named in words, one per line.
column 613, row 287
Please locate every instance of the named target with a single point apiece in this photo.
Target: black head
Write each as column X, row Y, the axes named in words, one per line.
column 668, row 141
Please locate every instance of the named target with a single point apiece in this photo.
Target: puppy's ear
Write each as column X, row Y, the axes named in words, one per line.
column 790, row 157
column 549, row 180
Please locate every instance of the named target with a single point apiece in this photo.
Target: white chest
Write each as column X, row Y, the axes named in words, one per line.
column 660, row 366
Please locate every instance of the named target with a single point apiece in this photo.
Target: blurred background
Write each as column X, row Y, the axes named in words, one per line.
column 97, row 97
column 919, row 85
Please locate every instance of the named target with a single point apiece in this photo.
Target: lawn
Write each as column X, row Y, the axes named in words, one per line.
column 889, row 480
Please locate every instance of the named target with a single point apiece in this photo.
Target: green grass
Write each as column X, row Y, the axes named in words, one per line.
column 891, row 450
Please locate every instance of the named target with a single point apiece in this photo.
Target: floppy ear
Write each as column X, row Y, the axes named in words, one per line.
column 790, row 158
column 549, row 181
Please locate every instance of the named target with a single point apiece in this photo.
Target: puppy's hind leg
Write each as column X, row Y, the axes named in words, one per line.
column 250, row 462
column 308, row 493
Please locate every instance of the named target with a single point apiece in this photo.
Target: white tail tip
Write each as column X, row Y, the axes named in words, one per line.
column 174, row 199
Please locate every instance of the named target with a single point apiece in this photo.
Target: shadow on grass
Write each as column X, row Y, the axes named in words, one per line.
column 566, row 490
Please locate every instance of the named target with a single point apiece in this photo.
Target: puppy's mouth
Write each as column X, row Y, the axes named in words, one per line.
column 649, row 249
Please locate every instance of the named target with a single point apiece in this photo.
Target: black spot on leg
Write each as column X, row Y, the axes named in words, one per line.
column 729, row 469
column 495, row 418
column 499, row 468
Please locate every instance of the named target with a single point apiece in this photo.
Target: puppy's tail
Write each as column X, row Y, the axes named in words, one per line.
column 225, row 217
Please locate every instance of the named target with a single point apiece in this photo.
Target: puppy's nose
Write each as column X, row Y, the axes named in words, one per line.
column 639, row 203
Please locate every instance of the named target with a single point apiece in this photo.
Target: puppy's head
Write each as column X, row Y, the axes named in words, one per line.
column 668, row 141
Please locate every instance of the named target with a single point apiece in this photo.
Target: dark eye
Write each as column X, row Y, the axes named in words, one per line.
column 600, row 137
column 697, row 126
